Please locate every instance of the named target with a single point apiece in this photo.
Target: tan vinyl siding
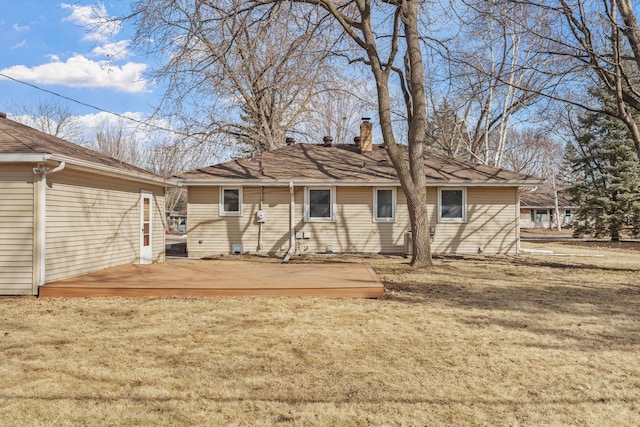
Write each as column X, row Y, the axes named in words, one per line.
column 353, row 231
column 93, row 222
column 491, row 227
column 16, row 229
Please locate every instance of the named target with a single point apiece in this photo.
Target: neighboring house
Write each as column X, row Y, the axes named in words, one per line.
column 538, row 210
column 346, row 198
column 66, row 210
column 176, row 221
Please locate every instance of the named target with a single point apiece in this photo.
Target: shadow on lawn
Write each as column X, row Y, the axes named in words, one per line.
column 526, row 294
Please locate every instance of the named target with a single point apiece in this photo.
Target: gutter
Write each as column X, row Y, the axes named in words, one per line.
column 24, row 157
column 292, row 225
column 41, row 220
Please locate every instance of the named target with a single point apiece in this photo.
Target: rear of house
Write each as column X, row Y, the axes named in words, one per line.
column 66, row 211
column 355, row 219
column 323, row 198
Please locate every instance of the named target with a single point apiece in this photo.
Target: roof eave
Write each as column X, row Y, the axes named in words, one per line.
column 74, row 163
column 348, row 183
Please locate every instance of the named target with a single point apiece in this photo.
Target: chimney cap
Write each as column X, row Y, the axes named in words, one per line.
column 366, row 119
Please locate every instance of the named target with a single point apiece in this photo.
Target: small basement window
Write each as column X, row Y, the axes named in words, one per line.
column 319, row 204
column 230, row 201
column 384, row 204
column 452, row 205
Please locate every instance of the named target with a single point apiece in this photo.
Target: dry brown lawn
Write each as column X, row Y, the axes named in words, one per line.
column 528, row 340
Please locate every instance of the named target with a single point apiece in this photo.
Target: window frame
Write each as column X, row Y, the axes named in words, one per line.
column 332, row 204
column 461, row 220
column 394, row 204
column 544, row 215
column 222, row 211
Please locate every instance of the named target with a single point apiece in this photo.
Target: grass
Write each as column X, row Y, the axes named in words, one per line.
column 528, row 340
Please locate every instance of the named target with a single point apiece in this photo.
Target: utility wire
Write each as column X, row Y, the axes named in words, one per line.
column 93, row 106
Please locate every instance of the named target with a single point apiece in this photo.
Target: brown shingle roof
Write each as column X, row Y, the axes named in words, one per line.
column 542, row 199
column 315, row 162
column 16, row 138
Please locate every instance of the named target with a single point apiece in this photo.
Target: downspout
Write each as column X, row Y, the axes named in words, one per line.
column 292, row 225
column 41, row 221
column 260, row 223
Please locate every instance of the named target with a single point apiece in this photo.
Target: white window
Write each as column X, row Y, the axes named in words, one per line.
column 542, row 215
column 230, row 201
column 452, row 205
column 384, row 204
column 319, row 204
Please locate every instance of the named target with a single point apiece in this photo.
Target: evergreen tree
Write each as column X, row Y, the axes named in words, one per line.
column 606, row 177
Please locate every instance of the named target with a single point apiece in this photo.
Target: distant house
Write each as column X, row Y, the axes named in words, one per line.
column 323, row 198
column 66, row 210
column 538, row 210
column 176, row 221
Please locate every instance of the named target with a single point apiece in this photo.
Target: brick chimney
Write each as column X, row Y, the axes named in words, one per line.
column 366, row 144
column 328, row 140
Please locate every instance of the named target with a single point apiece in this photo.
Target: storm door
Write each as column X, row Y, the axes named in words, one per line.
column 146, row 227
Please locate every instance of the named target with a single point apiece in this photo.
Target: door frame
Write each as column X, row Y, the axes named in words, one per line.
column 146, row 250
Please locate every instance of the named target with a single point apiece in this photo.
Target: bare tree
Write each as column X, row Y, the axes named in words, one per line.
column 113, row 140
column 385, row 37
column 493, row 73
column 50, row 116
column 338, row 110
column 593, row 43
column 529, row 150
column 249, row 76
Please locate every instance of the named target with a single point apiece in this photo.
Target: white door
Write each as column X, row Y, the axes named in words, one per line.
column 146, row 226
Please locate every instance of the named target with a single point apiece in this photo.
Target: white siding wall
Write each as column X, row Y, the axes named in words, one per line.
column 492, row 217
column 93, row 222
column 16, row 229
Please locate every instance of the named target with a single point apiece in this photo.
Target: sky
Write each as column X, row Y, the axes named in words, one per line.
column 56, row 46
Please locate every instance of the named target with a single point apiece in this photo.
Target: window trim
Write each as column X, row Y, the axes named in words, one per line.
column 221, row 210
column 394, row 204
column 464, row 205
column 547, row 216
column 332, row 207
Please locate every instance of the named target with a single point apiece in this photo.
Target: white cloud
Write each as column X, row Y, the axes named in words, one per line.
column 117, row 50
column 99, row 26
column 79, row 71
column 23, row 43
column 21, row 28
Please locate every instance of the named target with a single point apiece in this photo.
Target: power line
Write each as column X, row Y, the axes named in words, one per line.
column 93, row 106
